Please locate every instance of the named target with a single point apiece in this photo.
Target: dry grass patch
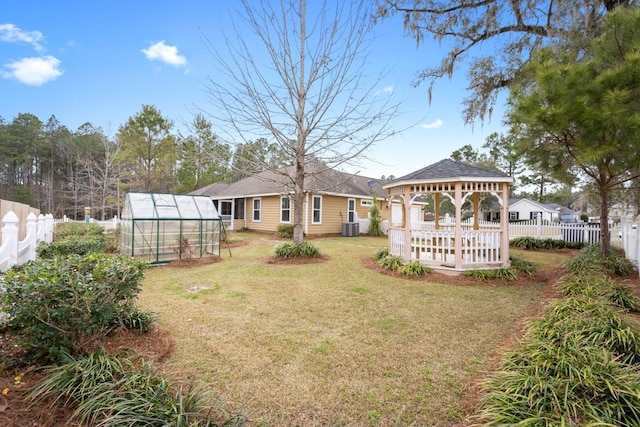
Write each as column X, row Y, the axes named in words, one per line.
column 333, row 343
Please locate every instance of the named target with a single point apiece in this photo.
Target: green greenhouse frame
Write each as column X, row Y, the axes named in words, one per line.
column 160, row 228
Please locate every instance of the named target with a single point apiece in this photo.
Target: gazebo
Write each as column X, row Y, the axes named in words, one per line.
column 419, row 231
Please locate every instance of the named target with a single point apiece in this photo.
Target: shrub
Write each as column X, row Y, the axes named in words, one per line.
column 414, row 268
column 79, row 245
column 599, row 286
column 61, row 305
column 291, row 250
column 125, row 391
column 73, row 229
column 285, row 231
column 531, row 243
column 391, row 263
column 379, row 254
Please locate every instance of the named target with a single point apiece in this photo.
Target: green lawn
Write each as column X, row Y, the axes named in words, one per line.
column 333, row 343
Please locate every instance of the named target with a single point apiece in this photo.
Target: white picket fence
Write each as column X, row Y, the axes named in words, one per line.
column 15, row 251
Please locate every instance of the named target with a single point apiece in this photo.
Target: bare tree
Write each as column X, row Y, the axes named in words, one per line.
column 305, row 84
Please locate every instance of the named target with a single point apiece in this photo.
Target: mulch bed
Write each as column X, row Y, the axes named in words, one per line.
column 15, row 410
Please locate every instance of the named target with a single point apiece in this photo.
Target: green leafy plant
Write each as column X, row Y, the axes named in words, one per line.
column 519, row 264
column 125, row 390
column 79, row 245
column 62, row 305
column 76, row 229
column 391, row 263
column 375, row 221
column 414, row 268
column 531, row 243
column 291, row 250
column 285, row 231
column 590, row 260
column 379, row 254
column 491, row 274
column 137, row 319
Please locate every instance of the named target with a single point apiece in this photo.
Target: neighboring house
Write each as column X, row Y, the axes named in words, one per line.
column 265, row 200
column 526, row 209
column 621, row 210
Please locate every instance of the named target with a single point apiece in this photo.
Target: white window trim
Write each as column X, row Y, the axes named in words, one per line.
column 313, row 209
column 282, row 210
column 366, row 202
column 253, row 209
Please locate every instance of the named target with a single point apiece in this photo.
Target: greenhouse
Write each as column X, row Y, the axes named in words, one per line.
column 159, row 228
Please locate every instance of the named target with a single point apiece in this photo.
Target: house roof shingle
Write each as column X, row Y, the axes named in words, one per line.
column 320, row 179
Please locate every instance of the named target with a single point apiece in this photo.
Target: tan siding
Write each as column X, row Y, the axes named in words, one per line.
column 334, row 213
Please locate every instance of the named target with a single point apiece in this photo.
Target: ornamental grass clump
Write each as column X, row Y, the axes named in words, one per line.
column 381, row 253
column 292, row 250
column 577, row 365
column 414, row 268
column 124, row 390
column 590, row 261
column 391, row 262
column 532, row 243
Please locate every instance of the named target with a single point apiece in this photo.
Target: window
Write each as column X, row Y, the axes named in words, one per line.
column 351, row 210
column 256, row 210
column 514, row 215
column 238, row 212
column 365, row 202
column 317, row 210
column 534, row 215
column 285, row 209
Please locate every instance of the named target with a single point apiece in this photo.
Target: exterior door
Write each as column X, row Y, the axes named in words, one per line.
column 351, row 210
column 226, row 213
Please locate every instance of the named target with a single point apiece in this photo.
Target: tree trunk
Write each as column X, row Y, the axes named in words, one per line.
column 604, row 222
column 298, row 206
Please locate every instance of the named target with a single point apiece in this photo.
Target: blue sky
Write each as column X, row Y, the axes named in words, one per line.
column 99, row 62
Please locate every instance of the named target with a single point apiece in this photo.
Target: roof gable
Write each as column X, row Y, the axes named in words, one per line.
column 448, row 168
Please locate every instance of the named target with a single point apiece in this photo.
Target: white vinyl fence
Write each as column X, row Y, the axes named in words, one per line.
column 15, row 251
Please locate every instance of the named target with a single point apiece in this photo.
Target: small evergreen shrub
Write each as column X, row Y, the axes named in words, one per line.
column 291, row 250
column 379, row 254
column 414, row 268
column 74, row 229
column 79, row 245
column 375, row 221
column 137, row 319
column 531, row 243
column 124, row 390
column 285, row 231
column 60, row 305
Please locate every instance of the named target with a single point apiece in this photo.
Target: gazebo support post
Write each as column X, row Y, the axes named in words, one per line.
column 457, row 243
column 407, row 226
column 436, row 210
column 504, row 227
column 476, row 210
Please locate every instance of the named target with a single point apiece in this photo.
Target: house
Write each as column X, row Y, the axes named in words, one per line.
column 264, row 201
column 525, row 209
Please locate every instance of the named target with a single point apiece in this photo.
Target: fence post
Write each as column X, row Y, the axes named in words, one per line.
column 40, row 228
column 10, row 237
column 115, row 222
column 539, row 225
column 48, row 228
column 30, row 240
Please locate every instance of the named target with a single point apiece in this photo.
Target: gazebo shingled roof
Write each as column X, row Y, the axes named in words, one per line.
column 446, row 170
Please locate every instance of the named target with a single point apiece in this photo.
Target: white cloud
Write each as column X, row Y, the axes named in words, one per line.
column 12, row 34
column 34, row 71
column 388, row 89
column 164, row 53
column 432, row 125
